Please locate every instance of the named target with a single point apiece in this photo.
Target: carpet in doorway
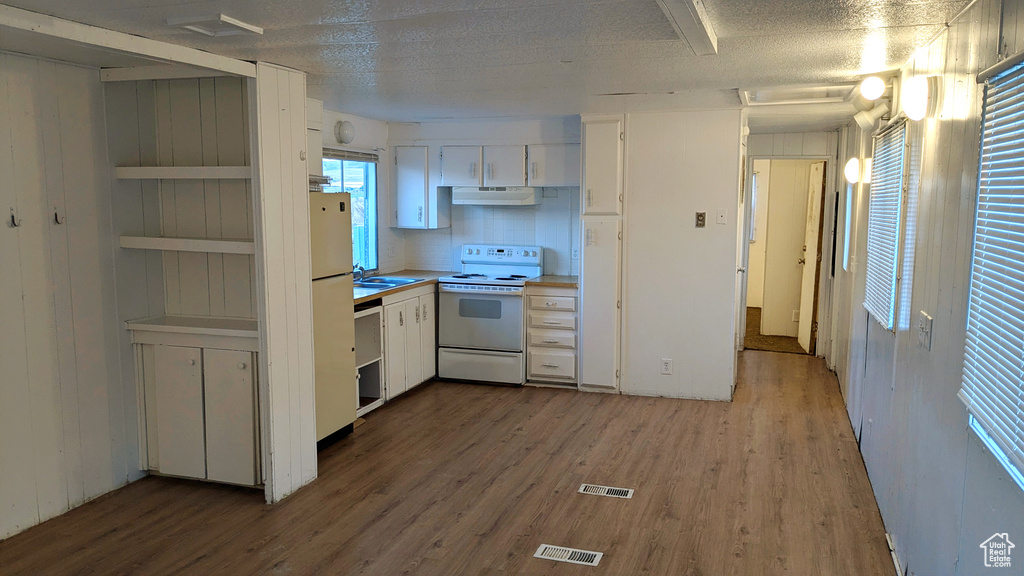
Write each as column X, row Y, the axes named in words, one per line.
column 754, row 340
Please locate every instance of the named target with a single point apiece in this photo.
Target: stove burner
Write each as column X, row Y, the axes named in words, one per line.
column 469, row 276
column 510, row 277
column 518, row 277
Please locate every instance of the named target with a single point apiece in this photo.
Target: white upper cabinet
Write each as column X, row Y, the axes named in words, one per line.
column 602, row 166
column 505, row 165
column 462, row 166
column 411, row 186
column 554, row 165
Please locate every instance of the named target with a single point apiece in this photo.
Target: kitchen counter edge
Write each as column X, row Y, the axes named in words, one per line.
column 427, row 276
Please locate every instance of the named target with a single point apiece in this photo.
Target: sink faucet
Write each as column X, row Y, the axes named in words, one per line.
column 357, row 273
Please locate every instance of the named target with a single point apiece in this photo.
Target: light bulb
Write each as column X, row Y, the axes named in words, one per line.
column 914, row 97
column 872, row 88
column 852, row 170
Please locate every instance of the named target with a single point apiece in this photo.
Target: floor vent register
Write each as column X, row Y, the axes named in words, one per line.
column 571, row 555
column 596, row 490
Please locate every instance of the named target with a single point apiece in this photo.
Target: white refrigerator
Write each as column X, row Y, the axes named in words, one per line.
column 330, row 225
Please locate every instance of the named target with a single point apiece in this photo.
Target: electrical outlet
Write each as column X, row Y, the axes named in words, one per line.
column 575, row 252
column 391, row 250
column 702, row 219
column 796, row 315
column 666, row 366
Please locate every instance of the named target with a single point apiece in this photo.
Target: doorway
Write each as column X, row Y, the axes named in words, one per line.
column 784, row 259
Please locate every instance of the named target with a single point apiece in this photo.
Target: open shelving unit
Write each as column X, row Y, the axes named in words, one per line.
column 369, row 358
column 210, row 245
column 183, row 172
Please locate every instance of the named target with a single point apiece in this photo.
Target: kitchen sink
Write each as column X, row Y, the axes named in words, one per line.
column 374, row 285
column 390, row 280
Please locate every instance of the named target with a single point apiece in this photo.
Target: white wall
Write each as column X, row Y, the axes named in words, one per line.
column 372, row 136
column 68, row 426
column 679, row 282
column 755, row 261
column 787, row 213
column 553, row 224
column 940, row 492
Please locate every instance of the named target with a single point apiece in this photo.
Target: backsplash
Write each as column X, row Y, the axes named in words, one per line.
column 553, row 224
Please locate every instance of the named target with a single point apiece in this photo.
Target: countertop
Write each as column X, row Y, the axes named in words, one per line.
column 362, row 295
column 555, row 281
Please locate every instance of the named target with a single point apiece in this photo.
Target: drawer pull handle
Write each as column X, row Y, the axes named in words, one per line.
column 550, row 304
column 554, row 322
column 550, row 365
column 551, row 341
column 241, row 365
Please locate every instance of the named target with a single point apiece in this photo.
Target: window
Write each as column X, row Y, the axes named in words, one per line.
column 356, row 174
column 992, row 385
column 884, row 219
column 847, row 225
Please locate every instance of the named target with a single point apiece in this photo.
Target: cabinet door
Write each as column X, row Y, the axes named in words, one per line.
column 461, row 166
column 428, row 336
column 395, row 327
column 599, row 302
column 411, row 186
column 178, row 385
column 230, row 416
column 602, row 166
column 554, row 165
column 413, row 341
column 505, row 165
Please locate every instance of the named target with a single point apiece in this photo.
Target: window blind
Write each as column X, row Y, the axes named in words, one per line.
column 884, row 217
column 351, row 155
column 992, row 379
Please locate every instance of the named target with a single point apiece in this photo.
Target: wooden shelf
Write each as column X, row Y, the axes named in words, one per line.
column 206, row 325
column 221, row 246
column 183, row 172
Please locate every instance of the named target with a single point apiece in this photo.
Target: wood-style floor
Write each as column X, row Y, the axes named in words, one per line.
column 469, row 479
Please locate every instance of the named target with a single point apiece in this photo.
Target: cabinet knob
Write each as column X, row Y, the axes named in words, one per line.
column 241, row 365
column 191, row 362
column 549, row 303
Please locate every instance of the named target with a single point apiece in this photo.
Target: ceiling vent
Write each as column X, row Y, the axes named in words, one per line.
column 216, row 25
column 832, row 94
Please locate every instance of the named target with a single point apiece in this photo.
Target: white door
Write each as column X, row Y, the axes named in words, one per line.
column 413, row 340
column 599, row 302
column 505, row 165
column 395, row 328
column 230, row 403
column 815, row 190
column 554, row 165
column 411, row 186
column 461, row 166
column 428, row 336
column 178, row 386
column 602, row 166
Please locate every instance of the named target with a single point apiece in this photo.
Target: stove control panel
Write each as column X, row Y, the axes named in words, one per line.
column 501, row 254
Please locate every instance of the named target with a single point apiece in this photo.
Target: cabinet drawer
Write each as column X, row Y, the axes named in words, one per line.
column 553, row 364
column 552, row 338
column 555, row 320
column 561, row 303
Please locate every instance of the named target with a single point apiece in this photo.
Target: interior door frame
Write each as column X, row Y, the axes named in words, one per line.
column 748, row 179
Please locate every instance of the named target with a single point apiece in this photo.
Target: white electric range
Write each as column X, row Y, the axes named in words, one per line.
column 481, row 325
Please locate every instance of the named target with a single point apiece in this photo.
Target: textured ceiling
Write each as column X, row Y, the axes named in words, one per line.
column 434, row 59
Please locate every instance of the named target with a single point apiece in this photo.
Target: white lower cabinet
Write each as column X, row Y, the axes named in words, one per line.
column 201, row 413
column 410, row 337
column 551, row 334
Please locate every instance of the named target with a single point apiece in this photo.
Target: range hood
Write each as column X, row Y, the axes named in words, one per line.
column 495, row 196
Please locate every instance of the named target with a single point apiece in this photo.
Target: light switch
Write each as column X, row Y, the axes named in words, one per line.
column 722, row 218
column 924, row 330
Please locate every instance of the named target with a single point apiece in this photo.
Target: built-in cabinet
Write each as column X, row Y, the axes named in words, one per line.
column 369, row 338
column 201, row 413
column 462, row 165
column 601, row 252
column 554, row 165
column 410, row 339
column 493, row 165
column 417, row 203
column 551, row 334
column 603, row 137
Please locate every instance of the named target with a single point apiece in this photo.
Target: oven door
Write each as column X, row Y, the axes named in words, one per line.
column 474, row 318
